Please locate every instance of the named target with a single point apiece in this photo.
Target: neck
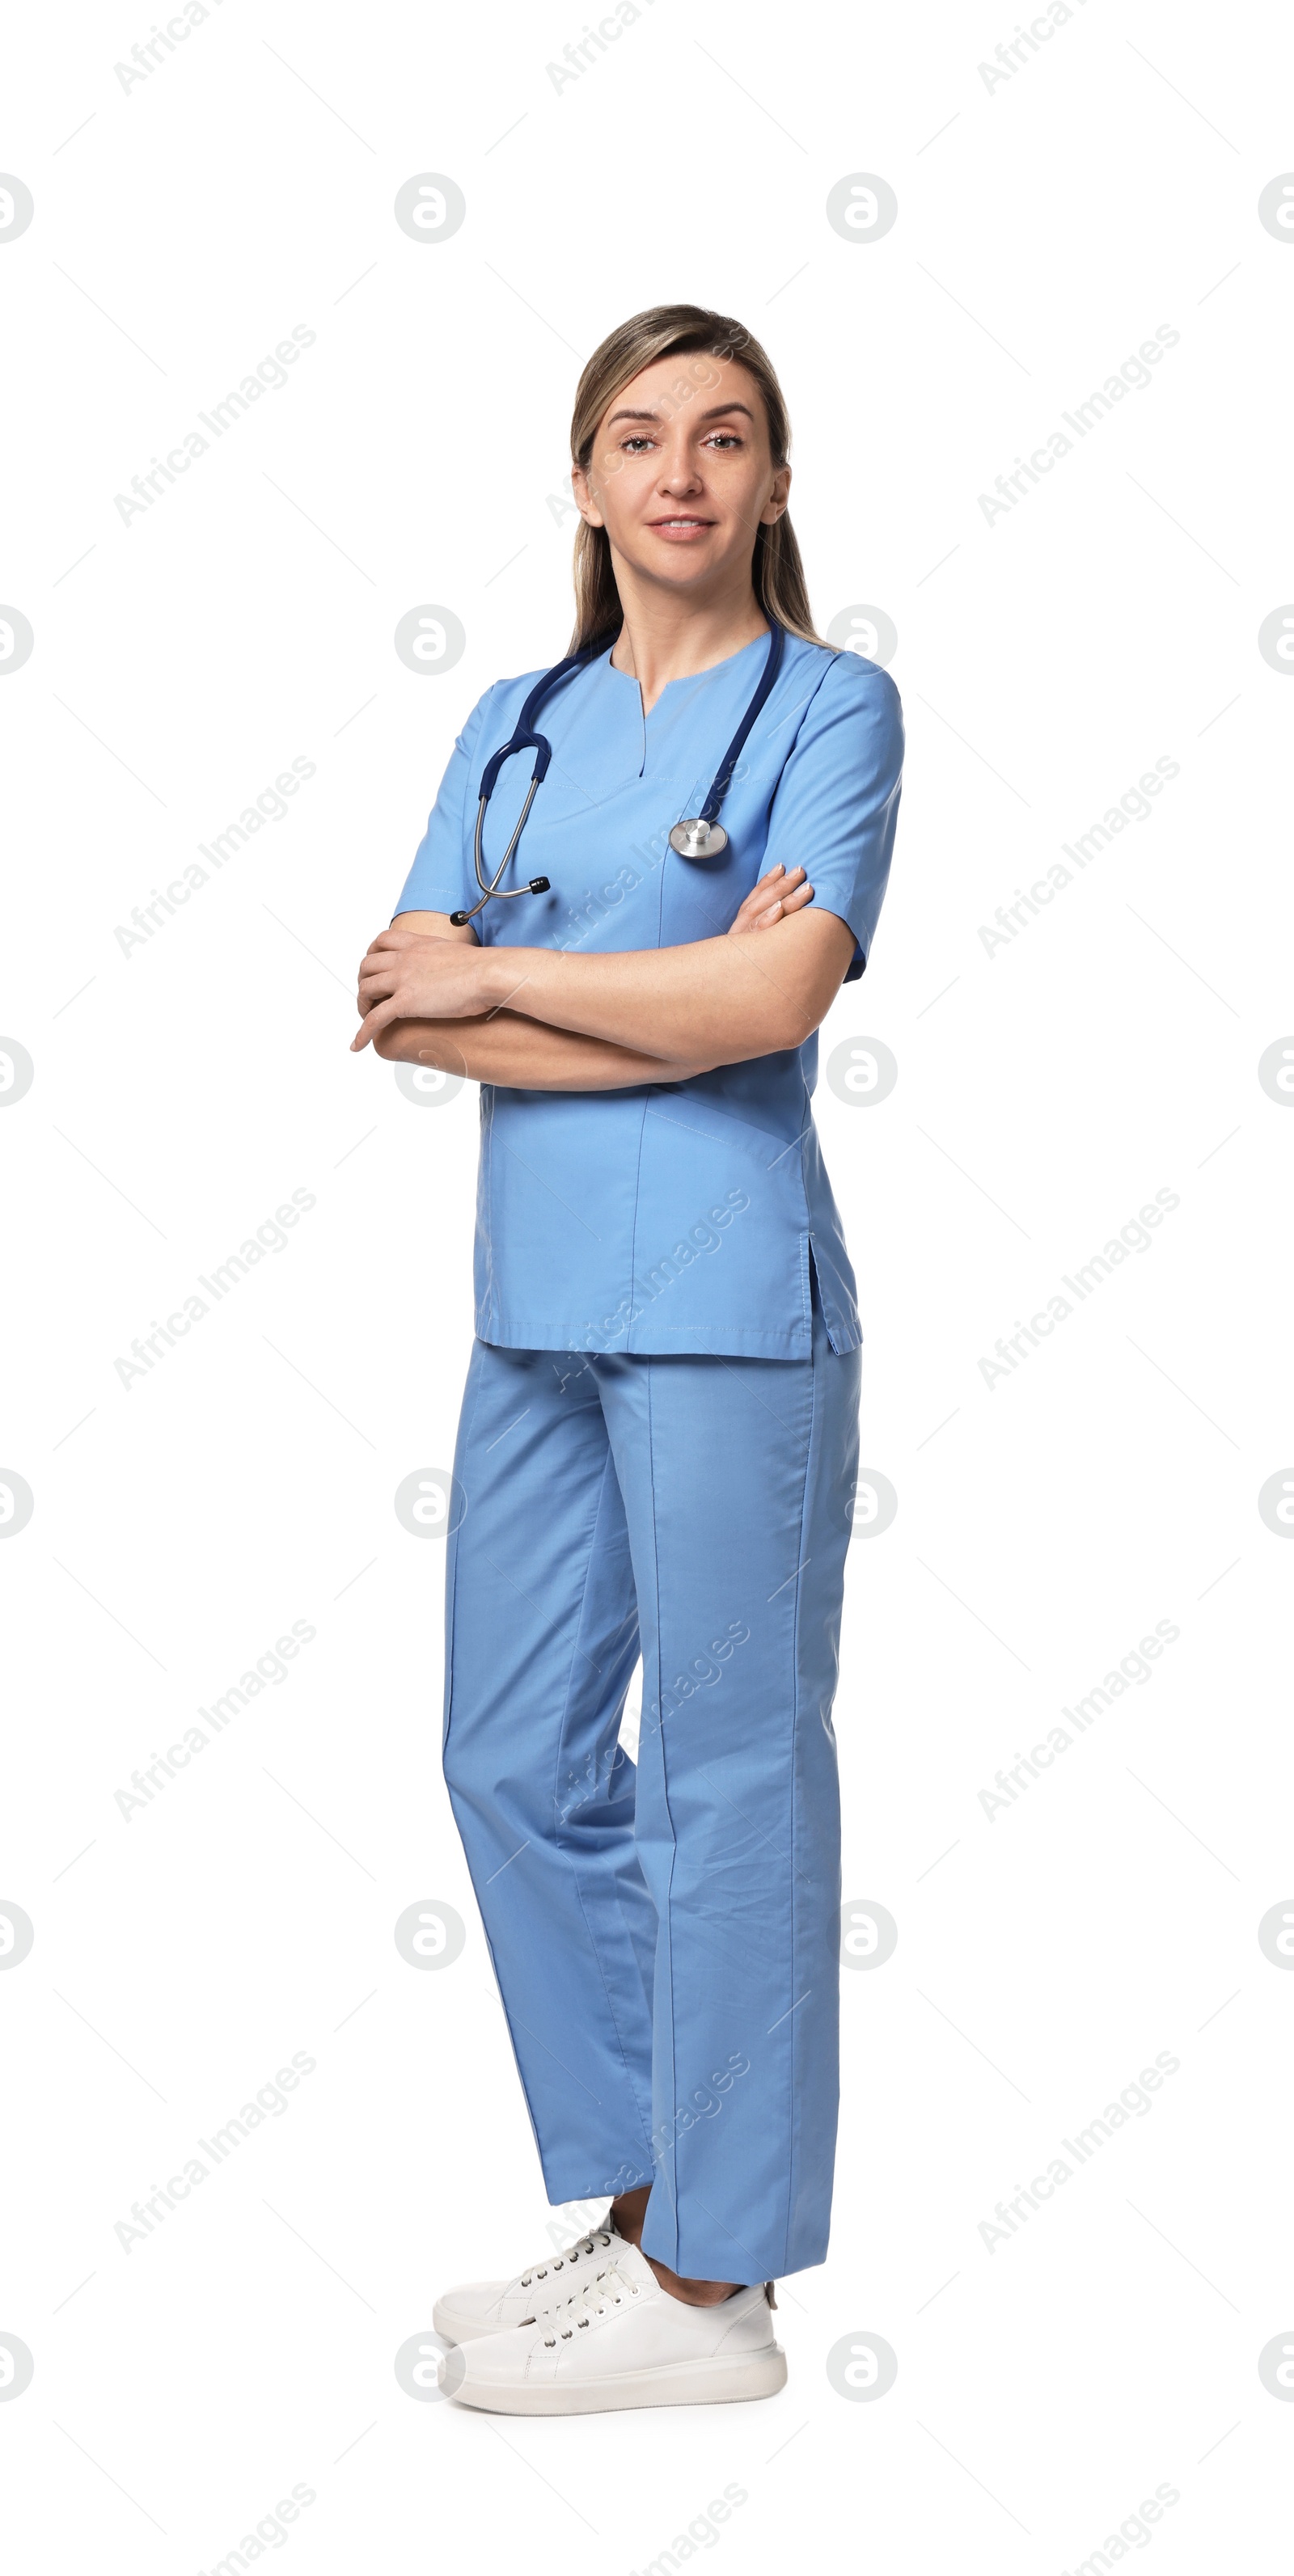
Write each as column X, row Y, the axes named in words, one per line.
column 665, row 637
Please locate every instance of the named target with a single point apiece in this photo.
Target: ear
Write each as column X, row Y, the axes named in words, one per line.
column 584, row 501
column 775, row 506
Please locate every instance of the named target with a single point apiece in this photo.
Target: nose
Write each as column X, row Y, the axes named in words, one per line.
column 679, row 473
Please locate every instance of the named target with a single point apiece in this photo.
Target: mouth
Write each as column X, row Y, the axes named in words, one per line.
column 681, row 528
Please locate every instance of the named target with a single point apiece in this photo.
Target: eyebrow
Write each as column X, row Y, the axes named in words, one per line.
column 718, row 411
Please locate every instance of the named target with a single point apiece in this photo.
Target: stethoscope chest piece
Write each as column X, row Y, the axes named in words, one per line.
column 697, row 839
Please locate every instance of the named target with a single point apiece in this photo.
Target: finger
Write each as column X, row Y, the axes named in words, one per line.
column 370, row 994
column 387, row 961
column 803, row 894
column 376, row 1019
column 367, row 1029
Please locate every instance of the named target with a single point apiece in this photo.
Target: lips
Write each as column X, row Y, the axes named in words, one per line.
column 680, row 531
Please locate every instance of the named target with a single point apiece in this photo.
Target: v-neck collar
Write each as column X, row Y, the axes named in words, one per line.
column 685, row 679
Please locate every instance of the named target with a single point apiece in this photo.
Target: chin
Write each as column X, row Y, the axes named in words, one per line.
column 682, row 563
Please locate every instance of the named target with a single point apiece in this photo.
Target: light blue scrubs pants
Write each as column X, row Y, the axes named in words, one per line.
column 666, row 1936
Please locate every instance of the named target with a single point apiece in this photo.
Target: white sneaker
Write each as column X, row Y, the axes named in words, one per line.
column 623, row 2341
column 489, row 2307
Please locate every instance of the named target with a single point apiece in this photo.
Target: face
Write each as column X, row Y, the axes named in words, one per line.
column 681, row 473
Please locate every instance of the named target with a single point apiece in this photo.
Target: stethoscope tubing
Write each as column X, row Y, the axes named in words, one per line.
column 723, row 776
column 525, row 738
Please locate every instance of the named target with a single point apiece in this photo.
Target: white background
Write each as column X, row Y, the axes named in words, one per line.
column 1046, row 227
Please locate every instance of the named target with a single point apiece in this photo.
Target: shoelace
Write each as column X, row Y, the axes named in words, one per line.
column 574, row 2254
column 606, row 2289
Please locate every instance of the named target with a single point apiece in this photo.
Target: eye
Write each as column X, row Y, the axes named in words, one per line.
column 636, row 442
column 724, row 438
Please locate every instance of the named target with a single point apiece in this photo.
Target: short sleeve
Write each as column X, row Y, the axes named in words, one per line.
column 837, row 801
column 441, row 877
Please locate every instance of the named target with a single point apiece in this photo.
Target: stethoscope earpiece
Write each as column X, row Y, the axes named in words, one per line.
column 537, row 885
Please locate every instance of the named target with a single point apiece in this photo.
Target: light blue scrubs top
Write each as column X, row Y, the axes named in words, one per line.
column 679, row 1216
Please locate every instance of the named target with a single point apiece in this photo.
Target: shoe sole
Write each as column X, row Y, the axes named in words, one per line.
column 710, row 2382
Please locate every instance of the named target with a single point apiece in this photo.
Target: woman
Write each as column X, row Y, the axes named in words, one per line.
column 659, row 1433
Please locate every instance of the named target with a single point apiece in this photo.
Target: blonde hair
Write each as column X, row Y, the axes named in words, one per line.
column 666, row 331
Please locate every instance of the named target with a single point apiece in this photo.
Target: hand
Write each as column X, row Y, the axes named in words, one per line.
column 775, row 895
column 408, row 976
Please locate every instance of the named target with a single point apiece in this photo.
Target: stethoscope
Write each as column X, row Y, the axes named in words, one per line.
column 701, row 836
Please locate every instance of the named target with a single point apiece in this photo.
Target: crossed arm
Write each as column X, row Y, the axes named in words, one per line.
column 538, row 1020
